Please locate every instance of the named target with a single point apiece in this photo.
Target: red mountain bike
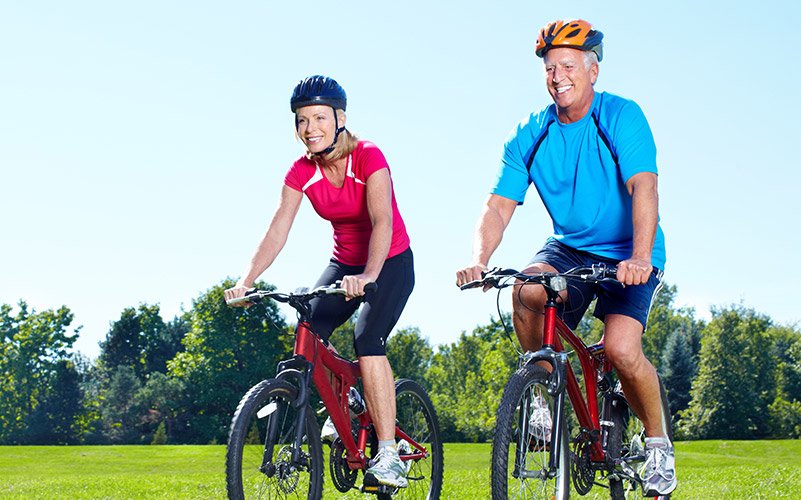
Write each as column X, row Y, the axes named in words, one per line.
column 536, row 448
column 274, row 446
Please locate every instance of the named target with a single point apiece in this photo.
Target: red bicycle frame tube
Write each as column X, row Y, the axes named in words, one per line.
column 586, row 411
column 345, row 374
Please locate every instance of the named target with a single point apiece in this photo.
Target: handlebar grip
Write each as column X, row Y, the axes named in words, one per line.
column 472, row 284
column 243, row 300
column 371, row 287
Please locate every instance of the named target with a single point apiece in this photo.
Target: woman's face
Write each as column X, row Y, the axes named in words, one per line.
column 316, row 126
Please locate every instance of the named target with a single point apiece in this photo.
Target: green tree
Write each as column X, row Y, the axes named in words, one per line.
column 663, row 320
column 32, row 344
column 119, row 411
column 678, row 369
column 160, row 437
column 140, row 339
column 226, row 351
column 734, row 386
column 56, row 420
column 787, row 351
column 467, row 378
column 410, row 355
column 162, row 402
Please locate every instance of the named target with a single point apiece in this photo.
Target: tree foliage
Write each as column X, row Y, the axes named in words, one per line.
column 467, row 378
column 32, row 348
column 410, row 354
column 141, row 340
column 678, row 369
column 735, row 385
column 226, row 351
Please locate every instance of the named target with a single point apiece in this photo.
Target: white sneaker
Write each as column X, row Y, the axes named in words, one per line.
column 404, row 448
column 387, row 469
column 658, row 473
column 539, row 423
column 328, row 433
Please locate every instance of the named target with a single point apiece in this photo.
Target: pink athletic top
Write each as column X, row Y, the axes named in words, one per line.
column 346, row 207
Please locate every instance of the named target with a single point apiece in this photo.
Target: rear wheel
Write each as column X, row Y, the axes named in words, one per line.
column 262, row 464
column 522, row 444
column 415, row 415
column 625, row 441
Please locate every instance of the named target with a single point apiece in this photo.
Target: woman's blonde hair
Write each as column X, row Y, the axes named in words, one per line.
column 346, row 143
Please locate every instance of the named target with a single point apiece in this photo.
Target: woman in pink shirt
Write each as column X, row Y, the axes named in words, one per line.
column 348, row 183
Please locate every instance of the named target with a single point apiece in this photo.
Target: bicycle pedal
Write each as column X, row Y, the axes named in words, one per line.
column 378, row 489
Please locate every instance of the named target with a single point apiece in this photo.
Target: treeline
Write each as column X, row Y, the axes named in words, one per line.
column 737, row 376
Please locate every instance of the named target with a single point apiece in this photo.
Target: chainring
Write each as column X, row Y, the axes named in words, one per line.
column 343, row 477
column 580, row 466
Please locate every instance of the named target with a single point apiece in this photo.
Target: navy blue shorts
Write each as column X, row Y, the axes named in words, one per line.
column 633, row 301
column 382, row 308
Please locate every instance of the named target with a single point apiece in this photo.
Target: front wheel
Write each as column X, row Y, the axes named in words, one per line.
column 415, row 416
column 261, row 459
column 522, row 444
column 625, row 442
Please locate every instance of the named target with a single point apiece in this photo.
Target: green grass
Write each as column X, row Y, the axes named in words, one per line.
column 707, row 469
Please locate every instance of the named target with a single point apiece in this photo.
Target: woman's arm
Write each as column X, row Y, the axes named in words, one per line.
column 271, row 243
column 379, row 206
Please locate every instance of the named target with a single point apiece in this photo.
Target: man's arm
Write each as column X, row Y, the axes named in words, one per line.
column 491, row 224
column 645, row 215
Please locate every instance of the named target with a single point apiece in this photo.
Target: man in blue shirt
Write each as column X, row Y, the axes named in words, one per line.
column 592, row 158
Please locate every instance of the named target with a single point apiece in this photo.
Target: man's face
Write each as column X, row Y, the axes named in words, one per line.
column 568, row 80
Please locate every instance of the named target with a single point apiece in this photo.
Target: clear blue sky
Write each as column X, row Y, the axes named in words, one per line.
column 143, row 144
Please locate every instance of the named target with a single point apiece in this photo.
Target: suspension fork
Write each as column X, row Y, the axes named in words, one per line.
column 300, row 371
column 556, row 387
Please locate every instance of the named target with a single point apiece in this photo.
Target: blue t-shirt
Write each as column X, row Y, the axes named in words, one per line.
column 580, row 171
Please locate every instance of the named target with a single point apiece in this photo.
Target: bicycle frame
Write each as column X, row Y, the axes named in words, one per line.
column 592, row 361
column 309, row 354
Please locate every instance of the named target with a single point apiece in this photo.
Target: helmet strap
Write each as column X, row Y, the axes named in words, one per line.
column 336, row 136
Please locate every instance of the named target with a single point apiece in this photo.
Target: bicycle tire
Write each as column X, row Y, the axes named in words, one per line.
column 416, row 416
column 245, row 477
column 625, row 429
column 529, row 452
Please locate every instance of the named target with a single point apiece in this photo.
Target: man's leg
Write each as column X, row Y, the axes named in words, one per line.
column 528, row 303
column 623, row 347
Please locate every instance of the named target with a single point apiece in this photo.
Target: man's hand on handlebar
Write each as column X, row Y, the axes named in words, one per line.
column 634, row 271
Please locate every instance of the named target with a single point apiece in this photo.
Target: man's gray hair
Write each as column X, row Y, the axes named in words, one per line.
column 590, row 58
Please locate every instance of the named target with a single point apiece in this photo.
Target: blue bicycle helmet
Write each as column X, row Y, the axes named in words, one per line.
column 318, row 90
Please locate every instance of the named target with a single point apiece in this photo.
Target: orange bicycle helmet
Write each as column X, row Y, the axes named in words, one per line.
column 576, row 34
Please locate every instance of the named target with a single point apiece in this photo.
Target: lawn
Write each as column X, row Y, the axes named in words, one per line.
column 707, row 469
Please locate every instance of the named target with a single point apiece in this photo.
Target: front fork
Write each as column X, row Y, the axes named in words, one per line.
column 299, row 370
column 556, row 388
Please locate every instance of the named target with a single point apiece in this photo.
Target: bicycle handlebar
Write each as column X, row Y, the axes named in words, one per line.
column 499, row 277
column 300, row 296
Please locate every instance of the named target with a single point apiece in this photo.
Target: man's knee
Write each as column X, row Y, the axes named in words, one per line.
column 528, row 299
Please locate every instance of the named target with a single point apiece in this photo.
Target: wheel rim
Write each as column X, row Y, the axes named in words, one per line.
column 413, row 417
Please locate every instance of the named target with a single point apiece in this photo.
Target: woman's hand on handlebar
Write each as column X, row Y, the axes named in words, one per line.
column 473, row 272
column 354, row 285
column 235, row 292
